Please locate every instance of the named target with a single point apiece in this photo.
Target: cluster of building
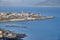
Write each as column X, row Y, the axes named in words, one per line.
column 15, row 15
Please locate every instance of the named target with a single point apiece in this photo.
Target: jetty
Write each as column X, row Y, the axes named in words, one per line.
column 6, row 35
column 13, row 16
column 12, row 25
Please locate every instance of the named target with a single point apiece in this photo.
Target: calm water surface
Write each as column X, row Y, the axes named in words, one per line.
column 48, row 29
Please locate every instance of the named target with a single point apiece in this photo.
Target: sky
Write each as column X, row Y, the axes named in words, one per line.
column 30, row 3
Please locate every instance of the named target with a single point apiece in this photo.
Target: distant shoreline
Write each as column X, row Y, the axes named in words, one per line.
column 12, row 20
column 13, row 16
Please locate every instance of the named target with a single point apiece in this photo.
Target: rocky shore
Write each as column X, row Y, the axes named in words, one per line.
column 6, row 34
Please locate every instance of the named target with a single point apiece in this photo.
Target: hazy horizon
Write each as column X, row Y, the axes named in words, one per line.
column 31, row 3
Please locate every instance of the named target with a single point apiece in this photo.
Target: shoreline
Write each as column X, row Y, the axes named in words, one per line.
column 12, row 20
column 21, row 16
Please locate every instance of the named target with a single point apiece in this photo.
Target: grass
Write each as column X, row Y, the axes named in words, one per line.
column 2, row 19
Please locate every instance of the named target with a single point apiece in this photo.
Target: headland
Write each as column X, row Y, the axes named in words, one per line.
column 13, row 16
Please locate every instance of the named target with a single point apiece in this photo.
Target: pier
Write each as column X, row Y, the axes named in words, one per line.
column 12, row 25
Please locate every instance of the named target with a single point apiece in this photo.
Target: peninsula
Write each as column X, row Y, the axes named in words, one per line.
column 13, row 16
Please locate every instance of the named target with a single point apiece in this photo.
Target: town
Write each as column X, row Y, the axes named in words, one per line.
column 13, row 16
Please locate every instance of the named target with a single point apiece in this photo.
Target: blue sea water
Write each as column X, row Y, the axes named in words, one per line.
column 48, row 29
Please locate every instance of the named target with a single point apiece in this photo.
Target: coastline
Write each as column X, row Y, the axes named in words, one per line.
column 42, row 18
column 21, row 16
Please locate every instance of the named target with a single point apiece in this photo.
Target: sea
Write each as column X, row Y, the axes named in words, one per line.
column 47, row 29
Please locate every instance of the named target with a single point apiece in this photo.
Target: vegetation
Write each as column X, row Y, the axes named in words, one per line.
column 1, row 19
